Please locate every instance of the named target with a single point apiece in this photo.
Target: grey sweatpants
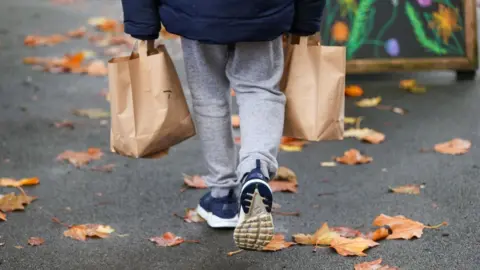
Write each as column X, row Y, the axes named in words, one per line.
column 253, row 70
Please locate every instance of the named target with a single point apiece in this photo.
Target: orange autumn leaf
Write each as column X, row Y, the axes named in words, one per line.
column 195, row 181
column 235, row 121
column 352, row 247
column 455, row 146
column 169, row 239
column 278, row 186
column 407, row 189
column 412, row 86
column 104, row 24
column 191, row 216
column 77, row 33
column 3, row 216
column 81, row 158
column 402, row 227
column 286, row 174
column 81, row 232
column 36, row 241
column 73, row 62
column 380, row 233
column 34, row 60
column 33, row 40
column 365, row 134
column 353, row 157
column 353, row 91
column 97, row 68
column 8, row 182
column 11, row 202
column 289, row 144
column 277, row 243
column 323, row 236
column 374, row 265
column 347, row 232
column 285, row 180
column 340, row 31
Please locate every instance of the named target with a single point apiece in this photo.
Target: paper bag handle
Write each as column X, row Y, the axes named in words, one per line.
column 142, row 48
column 303, row 40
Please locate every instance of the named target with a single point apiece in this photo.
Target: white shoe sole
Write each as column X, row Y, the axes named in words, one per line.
column 255, row 229
column 216, row 222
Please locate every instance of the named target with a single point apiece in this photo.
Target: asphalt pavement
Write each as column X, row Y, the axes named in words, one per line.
column 139, row 197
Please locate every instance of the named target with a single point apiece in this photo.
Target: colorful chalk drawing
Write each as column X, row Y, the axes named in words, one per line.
column 436, row 25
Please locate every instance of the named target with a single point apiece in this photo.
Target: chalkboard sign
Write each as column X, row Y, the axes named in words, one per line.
column 397, row 35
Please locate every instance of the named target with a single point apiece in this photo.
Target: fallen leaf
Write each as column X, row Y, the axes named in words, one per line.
column 65, row 124
column 195, row 181
column 277, row 243
column 402, row 227
column 353, row 91
column 92, row 113
column 3, row 216
column 8, row 182
column 347, row 232
column 328, row 164
column 81, row 158
column 396, row 110
column 369, row 102
column 77, row 33
column 353, row 157
column 191, row 215
column 36, row 241
column 455, row 146
column 235, row 121
column 380, row 233
column 352, row 247
column 81, row 232
column 374, row 265
column 412, row 86
column 167, row 240
column 104, row 24
column 276, row 205
column 285, row 180
column 285, row 174
column 289, row 144
column 11, row 202
column 322, row 236
column 407, row 189
column 286, row 214
column 278, row 186
column 97, row 68
column 18, row 247
column 352, row 120
column 365, row 134
column 104, row 168
column 34, row 60
column 33, row 40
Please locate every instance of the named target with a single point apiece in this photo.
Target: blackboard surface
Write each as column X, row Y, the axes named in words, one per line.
column 398, row 29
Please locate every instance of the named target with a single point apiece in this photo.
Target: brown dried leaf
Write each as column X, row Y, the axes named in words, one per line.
column 8, row 182
column 369, row 102
column 235, row 121
column 81, row 158
column 322, row 236
column 455, row 146
column 402, row 227
column 277, row 186
column 347, row 232
column 277, row 243
column 167, row 240
column 374, row 265
column 92, row 113
column 353, row 157
column 407, row 189
column 81, row 232
column 191, row 215
column 11, row 202
column 77, row 33
column 104, row 24
column 412, row 86
column 65, row 124
column 3, row 216
column 36, row 241
column 289, row 144
column 380, row 233
column 285, row 174
column 108, row 168
column 195, row 181
column 97, row 68
column 352, row 247
column 365, row 134
column 33, row 40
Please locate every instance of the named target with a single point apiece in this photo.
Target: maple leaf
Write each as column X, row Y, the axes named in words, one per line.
column 277, row 243
column 81, row 158
column 365, row 134
column 36, row 241
column 235, row 121
column 455, row 146
column 374, row 265
column 369, row 102
column 33, row 41
column 286, row 174
column 322, row 236
column 353, row 91
column 285, row 180
column 8, row 182
column 11, row 202
column 3, row 216
column 191, row 215
column 289, row 144
column 104, row 24
column 278, row 186
column 97, row 68
column 347, row 232
column 353, row 157
column 169, row 239
column 92, row 113
column 352, row 247
column 402, row 227
column 195, row 181
column 379, row 234
column 77, row 33
column 105, row 168
column 407, row 189
column 82, row 231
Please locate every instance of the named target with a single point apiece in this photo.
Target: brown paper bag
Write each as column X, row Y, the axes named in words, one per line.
column 148, row 108
column 314, row 84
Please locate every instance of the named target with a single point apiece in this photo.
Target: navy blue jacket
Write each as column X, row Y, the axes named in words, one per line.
column 222, row 21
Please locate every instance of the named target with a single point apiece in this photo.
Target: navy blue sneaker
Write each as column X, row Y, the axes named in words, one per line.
column 219, row 212
column 255, row 224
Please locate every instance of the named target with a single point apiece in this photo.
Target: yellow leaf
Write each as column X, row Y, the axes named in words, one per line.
column 365, row 134
column 369, row 102
column 352, row 247
column 11, row 202
column 277, row 243
column 455, row 146
column 322, row 236
column 350, row 120
column 374, row 265
column 8, row 182
column 80, row 232
column 407, row 189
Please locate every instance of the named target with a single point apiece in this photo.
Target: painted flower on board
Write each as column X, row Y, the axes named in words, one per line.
column 424, row 3
column 340, row 31
column 392, row 47
column 445, row 21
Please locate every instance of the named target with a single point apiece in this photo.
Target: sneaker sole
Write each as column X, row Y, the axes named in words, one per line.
column 257, row 230
column 214, row 221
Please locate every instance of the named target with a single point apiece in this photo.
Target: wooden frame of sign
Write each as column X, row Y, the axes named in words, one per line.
column 465, row 66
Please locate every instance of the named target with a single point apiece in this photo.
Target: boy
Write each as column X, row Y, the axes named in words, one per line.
column 233, row 44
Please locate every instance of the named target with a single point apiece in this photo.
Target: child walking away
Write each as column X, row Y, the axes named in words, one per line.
column 233, row 44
